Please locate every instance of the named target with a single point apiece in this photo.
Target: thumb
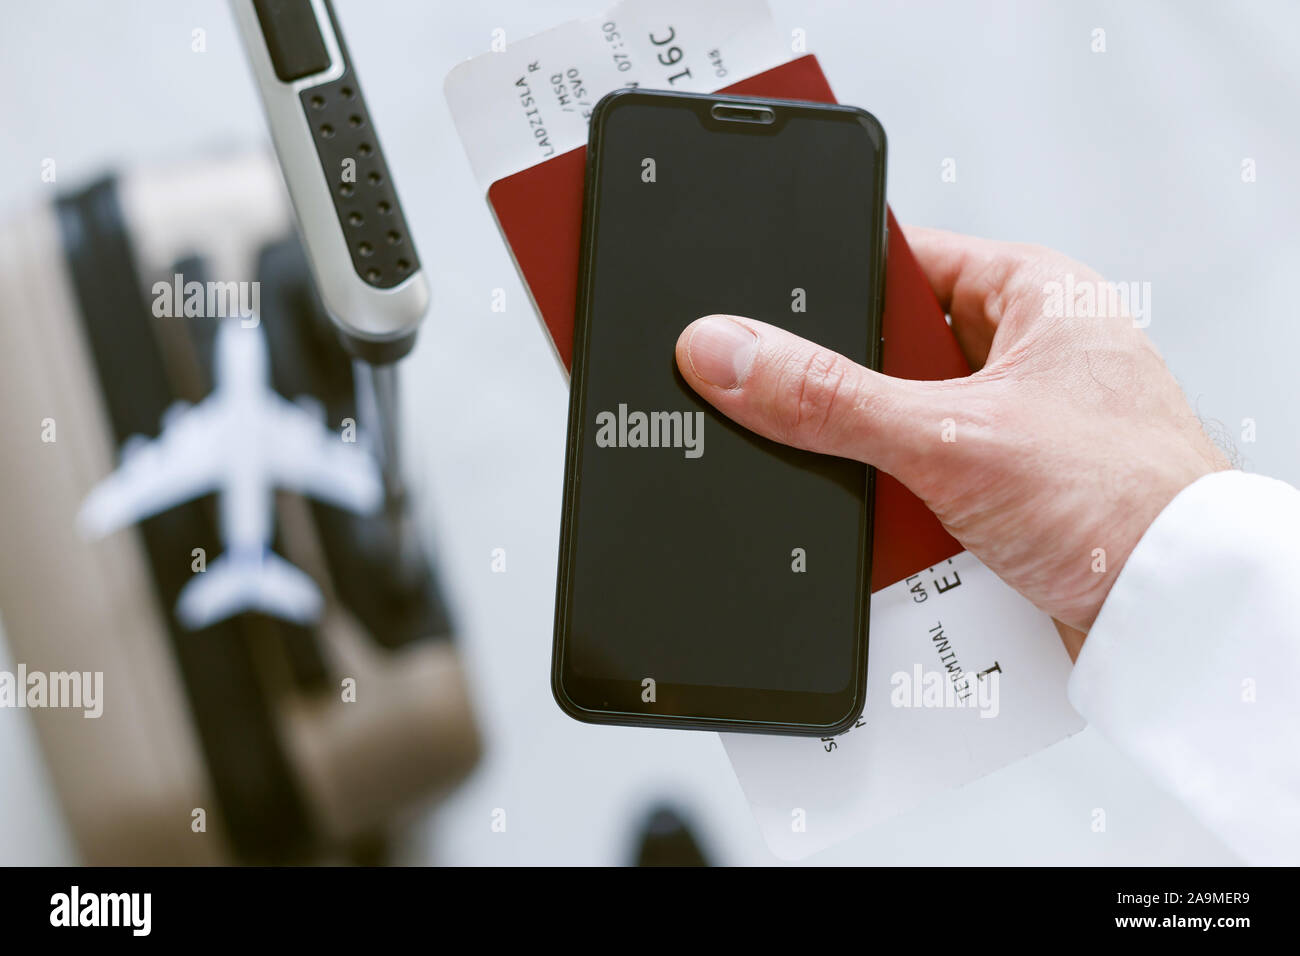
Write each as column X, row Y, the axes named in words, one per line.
column 798, row 393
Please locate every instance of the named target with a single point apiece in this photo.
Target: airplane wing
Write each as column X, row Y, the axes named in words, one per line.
column 183, row 462
column 306, row 457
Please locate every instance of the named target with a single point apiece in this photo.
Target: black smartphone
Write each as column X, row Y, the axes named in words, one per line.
column 710, row 579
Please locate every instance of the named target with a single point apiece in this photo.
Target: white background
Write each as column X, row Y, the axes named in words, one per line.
column 1129, row 160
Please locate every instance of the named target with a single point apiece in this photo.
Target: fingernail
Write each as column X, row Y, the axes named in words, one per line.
column 721, row 351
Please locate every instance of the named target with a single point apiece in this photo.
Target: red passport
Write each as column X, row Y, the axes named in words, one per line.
column 540, row 212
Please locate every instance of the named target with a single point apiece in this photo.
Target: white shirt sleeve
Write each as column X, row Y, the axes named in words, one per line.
column 1193, row 665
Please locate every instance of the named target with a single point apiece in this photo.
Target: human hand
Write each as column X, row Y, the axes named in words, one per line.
column 1063, row 446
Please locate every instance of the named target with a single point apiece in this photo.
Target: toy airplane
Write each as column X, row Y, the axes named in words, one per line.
column 242, row 441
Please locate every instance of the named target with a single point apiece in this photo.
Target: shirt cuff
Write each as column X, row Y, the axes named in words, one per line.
column 1191, row 666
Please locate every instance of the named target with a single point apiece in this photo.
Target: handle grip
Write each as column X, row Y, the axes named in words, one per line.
column 358, row 243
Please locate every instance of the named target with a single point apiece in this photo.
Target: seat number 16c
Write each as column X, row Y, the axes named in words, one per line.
column 672, row 55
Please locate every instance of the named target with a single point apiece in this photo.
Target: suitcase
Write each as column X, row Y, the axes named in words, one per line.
column 252, row 740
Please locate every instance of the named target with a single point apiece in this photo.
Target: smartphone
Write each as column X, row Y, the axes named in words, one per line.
column 710, row 579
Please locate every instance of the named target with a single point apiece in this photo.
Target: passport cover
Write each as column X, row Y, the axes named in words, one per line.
column 539, row 210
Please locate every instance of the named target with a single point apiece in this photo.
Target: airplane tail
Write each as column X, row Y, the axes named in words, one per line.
column 235, row 583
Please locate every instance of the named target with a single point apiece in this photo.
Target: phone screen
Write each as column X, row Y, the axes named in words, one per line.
column 709, row 574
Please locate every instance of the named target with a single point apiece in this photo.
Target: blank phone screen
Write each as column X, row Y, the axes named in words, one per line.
column 728, row 569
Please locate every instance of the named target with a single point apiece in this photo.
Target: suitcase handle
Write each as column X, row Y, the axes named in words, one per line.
column 358, row 243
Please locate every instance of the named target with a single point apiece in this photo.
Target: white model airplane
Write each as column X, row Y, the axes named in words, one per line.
column 242, row 441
